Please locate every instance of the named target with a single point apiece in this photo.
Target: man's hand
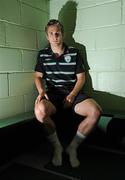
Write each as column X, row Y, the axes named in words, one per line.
column 41, row 96
column 68, row 100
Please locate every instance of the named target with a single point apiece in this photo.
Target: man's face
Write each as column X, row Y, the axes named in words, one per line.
column 54, row 35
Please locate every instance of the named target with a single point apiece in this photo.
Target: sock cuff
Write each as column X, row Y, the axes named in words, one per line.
column 80, row 135
column 52, row 136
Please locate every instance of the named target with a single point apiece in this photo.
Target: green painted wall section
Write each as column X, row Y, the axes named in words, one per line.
column 21, row 36
column 96, row 27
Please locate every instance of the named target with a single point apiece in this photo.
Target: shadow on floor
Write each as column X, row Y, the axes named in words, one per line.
column 95, row 165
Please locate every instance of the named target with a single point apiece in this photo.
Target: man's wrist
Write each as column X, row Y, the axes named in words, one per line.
column 41, row 93
column 73, row 94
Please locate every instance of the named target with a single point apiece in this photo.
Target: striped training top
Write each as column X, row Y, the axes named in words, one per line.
column 60, row 72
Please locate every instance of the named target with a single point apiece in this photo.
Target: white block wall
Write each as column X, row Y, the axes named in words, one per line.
column 99, row 25
column 21, row 36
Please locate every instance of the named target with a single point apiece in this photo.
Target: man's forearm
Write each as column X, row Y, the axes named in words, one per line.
column 78, row 86
column 39, row 85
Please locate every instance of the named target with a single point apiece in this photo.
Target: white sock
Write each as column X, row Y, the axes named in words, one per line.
column 57, row 155
column 72, row 149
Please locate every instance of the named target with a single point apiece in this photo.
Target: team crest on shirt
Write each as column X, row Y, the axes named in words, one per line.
column 67, row 58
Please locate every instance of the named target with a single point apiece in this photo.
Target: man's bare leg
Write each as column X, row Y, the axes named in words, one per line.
column 91, row 111
column 43, row 111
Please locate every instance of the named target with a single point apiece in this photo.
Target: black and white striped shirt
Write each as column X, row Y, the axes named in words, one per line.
column 60, row 72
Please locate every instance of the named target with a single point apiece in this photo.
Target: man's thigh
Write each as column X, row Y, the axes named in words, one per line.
column 86, row 106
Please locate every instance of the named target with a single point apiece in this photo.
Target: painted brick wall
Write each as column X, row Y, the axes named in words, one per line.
column 21, row 36
column 99, row 25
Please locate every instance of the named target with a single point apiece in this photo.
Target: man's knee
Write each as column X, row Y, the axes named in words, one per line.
column 95, row 113
column 40, row 113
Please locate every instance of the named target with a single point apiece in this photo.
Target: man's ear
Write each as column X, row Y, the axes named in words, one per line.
column 46, row 36
column 63, row 36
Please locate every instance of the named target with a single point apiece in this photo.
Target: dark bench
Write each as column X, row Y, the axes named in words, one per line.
column 16, row 119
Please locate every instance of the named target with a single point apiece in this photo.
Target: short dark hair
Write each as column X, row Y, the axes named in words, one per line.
column 54, row 22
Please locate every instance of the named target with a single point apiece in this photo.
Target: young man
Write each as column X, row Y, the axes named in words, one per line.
column 63, row 70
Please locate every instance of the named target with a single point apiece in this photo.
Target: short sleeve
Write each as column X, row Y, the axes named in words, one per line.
column 39, row 64
column 79, row 64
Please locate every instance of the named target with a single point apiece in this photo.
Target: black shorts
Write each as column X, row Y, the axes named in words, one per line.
column 57, row 98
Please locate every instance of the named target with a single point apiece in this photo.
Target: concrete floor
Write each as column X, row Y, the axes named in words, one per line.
column 96, row 163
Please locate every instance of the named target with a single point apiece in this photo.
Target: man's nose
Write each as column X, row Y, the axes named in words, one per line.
column 56, row 35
